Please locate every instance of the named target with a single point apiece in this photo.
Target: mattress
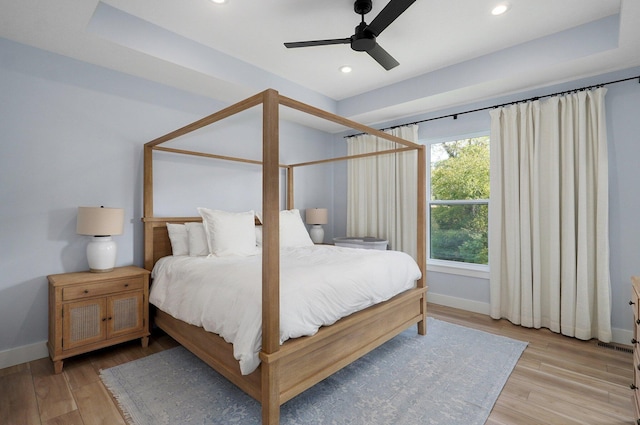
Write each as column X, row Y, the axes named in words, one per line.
column 318, row 285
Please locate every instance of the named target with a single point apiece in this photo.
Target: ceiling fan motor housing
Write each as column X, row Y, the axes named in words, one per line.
column 363, row 40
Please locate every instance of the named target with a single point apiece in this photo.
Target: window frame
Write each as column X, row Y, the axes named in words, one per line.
column 447, row 266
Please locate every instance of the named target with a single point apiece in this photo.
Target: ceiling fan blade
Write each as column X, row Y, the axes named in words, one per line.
column 318, row 42
column 382, row 57
column 389, row 14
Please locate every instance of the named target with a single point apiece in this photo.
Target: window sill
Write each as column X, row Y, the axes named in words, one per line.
column 480, row 271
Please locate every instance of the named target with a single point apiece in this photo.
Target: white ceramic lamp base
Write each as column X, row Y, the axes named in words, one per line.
column 317, row 233
column 101, row 254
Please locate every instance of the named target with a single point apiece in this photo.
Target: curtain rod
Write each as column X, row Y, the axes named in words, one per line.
column 531, row 99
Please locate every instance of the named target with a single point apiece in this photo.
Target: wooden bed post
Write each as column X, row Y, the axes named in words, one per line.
column 148, row 181
column 148, row 206
column 421, row 252
column 270, row 258
column 290, row 188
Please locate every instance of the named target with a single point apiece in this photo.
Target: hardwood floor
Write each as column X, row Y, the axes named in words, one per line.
column 558, row 380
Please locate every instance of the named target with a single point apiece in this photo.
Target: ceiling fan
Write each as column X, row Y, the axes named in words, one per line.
column 364, row 39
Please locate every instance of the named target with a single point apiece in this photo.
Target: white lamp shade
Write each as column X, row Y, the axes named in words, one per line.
column 316, row 215
column 100, row 221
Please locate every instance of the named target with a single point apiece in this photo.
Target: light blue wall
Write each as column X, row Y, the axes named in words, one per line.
column 72, row 135
column 623, row 128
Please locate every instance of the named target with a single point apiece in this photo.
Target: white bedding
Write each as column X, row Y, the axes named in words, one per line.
column 318, row 285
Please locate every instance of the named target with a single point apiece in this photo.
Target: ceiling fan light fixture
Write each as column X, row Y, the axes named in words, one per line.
column 500, row 8
column 345, row 69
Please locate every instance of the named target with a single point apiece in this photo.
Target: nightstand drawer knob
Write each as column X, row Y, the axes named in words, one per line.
column 126, row 285
column 86, row 291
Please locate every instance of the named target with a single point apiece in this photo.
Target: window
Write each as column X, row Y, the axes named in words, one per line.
column 459, row 201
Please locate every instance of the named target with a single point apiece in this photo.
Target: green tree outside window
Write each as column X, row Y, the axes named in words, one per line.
column 459, row 208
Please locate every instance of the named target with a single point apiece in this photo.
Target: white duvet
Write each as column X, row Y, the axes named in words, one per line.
column 318, row 285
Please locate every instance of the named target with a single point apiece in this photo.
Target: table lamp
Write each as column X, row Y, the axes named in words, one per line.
column 316, row 217
column 101, row 223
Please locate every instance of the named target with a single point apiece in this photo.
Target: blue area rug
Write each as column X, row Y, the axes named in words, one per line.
column 451, row 376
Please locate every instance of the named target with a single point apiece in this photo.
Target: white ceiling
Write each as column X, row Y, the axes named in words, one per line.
column 450, row 52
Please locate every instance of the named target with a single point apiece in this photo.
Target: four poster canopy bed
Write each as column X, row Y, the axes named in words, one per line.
column 284, row 366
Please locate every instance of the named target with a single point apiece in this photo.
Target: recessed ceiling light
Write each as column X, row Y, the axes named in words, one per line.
column 345, row 69
column 500, row 9
column 219, row 1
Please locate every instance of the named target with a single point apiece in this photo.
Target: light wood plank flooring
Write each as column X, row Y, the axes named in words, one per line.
column 558, row 380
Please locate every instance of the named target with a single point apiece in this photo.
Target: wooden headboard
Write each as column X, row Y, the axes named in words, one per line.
column 156, row 237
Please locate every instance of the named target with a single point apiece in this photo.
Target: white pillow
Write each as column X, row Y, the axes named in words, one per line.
column 293, row 232
column 179, row 239
column 229, row 233
column 197, row 240
column 258, row 235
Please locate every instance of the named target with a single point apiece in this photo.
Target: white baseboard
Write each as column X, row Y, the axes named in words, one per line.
column 26, row 353
column 461, row 303
column 619, row 336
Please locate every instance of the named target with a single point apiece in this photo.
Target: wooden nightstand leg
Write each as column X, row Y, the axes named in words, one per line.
column 145, row 341
column 57, row 366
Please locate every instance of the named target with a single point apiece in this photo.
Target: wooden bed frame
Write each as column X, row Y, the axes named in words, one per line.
column 289, row 369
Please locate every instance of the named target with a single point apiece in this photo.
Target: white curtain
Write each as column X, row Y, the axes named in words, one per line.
column 382, row 190
column 548, row 219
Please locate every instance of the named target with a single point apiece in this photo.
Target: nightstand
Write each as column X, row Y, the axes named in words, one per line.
column 88, row 311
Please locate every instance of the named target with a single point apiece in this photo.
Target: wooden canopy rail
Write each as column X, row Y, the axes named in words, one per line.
column 286, row 370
